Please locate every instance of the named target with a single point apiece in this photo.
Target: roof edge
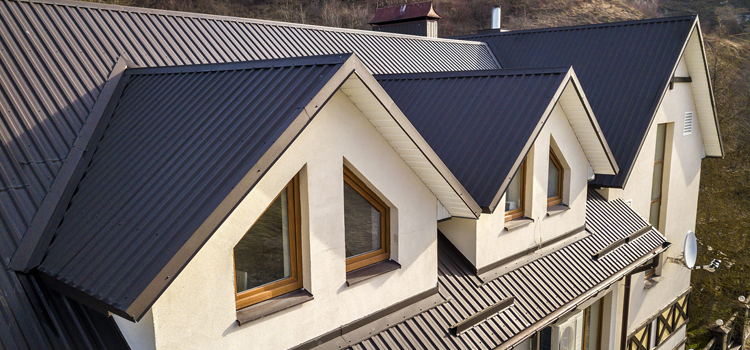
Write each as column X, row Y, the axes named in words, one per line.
column 581, row 27
column 472, row 73
column 38, row 236
column 552, row 317
column 95, row 5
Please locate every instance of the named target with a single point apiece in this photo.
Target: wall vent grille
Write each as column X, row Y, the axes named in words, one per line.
column 687, row 124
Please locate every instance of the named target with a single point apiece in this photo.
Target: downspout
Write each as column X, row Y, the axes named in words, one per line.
column 626, row 302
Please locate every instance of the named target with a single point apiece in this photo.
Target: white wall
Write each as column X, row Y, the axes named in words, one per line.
column 139, row 335
column 682, row 178
column 197, row 311
column 492, row 242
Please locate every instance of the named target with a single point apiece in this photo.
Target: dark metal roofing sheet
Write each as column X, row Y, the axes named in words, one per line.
column 56, row 57
column 539, row 287
column 34, row 317
column 477, row 122
column 177, row 143
column 623, row 67
column 404, row 12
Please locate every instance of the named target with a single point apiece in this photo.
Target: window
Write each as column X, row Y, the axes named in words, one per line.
column 658, row 177
column 592, row 326
column 514, row 195
column 554, row 181
column 267, row 260
column 366, row 224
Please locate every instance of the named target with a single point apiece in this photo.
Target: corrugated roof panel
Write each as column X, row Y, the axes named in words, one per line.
column 623, row 67
column 177, row 142
column 539, row 287
column 467, row 116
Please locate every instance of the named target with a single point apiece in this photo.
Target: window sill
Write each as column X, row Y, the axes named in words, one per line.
column 370, row 271
column 271, row 306
column 517, row 223
column 557, row 209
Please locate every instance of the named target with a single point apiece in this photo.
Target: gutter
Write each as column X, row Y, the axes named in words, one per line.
column 571, row 305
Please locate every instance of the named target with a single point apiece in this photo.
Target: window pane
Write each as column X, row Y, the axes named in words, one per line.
column 654, row 216
column 361, row 222
column 656, row 182
column 513, row 194
column 553, row 180
column 262, row 256
column 592, row 326
column 661, row 135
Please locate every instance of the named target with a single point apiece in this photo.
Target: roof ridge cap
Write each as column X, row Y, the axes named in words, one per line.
column 474, row 73
column 244, row 65
column 143, row 10
column 585, row 26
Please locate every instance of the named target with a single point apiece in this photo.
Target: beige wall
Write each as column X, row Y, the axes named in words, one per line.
column 682, row 178
column 197, row 311
column 485, row 241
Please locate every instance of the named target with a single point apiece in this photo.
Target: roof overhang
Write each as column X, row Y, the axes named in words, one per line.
column 573, row 102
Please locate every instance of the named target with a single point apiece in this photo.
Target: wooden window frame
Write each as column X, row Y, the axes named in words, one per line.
column 384, row 253
column 556, row 199
column 294, row 281
column 517, row 213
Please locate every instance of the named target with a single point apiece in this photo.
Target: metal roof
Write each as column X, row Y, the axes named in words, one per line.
column 179, row 140
column 482, row 123
column 56, row 58
column 543, row 290
column 624, row 67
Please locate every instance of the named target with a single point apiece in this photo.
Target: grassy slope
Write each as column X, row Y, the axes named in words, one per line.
column 724, row 205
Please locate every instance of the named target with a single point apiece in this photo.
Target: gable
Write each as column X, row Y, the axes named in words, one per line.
column 481, row 124
column 623, row 67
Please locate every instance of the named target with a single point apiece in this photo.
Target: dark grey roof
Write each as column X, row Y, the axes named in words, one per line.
column 541, row 288
column 624, row 68
column 178, row 142
column 479, row 123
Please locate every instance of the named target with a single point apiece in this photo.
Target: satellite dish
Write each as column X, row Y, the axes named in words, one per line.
column 690, row 250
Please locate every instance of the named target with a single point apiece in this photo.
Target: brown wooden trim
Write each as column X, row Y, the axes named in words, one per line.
column 294, row 281
column 384, row 253
column 552, row 201
column 370, row 271
column 517, row 213
column 271, row 306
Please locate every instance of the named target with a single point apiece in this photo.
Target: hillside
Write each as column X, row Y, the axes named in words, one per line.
column 724, row 204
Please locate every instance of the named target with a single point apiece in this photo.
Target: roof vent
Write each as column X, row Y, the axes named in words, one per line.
column 415, row 19
column 687, row 124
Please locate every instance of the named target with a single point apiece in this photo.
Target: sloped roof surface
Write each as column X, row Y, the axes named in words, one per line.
column 179, row 140
column 623, row 68
column 56, row 56
column 539, row 287
column 477, row 122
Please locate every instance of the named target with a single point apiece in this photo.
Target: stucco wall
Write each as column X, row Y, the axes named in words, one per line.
column 197, row 311
column 493, row 242
column 682, row 180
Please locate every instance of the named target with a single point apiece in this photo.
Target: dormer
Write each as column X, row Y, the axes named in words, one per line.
column 523, row 143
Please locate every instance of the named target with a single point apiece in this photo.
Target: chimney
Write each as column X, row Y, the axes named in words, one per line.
column 415, row 19
column 496, row 18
